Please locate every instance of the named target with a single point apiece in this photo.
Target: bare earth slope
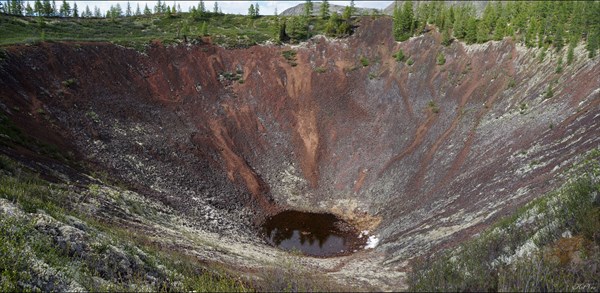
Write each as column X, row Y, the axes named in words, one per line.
column 422, row 155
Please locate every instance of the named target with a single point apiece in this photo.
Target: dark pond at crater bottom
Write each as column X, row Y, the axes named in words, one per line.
column 312, row 234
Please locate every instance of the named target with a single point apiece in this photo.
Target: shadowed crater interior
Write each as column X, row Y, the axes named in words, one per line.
column 313, row 234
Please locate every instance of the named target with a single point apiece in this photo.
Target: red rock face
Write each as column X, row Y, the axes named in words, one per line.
column 432, row 152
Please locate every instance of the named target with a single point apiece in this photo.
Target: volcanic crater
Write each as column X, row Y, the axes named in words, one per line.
column 418, row 156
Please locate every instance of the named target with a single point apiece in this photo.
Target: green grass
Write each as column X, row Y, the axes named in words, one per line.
column 364, row 61
column 290, row 57
column 320, row 69
column 232, row 31
column 433, row 106
column 440, row 59
column 399, row 56
column 23, row 244
column 481, row 264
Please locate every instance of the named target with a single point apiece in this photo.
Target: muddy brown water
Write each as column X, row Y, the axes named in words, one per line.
column 312, row 234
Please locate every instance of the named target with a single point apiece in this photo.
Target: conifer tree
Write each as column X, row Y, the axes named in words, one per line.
column 471, row 31
column 324, row 9
column 397, row 15
column 54, row 9
column 87, row 12
column 201, row 8
column 347, row 14
column 331, row 27
column 281, row 27
column 446, row 39
column 500, row 28
column 571, row 51
column 38, row 8
column 29, row 10
column 128, row 11
column 404, row 22
column 65, row 9
column 308, row 8
column 251, row 11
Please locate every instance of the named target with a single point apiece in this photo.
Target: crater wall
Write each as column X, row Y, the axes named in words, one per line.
column 423, row 155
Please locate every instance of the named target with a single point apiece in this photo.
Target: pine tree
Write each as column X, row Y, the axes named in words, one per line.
column 117, row 11
column 38, row 8
column 324, row 9
column 482, row 33
column 168, row 12
column 97, row 12
column 47, row 8
column 138, row 11
column 308, row 8
column 281, row 35
column 404, row 22
column 296, row 28
column 216, row 8
column 54, row 9
column 331, row 27
column 471, row 31
column 251, row 11
column 571, row 51
column 29, row 10
column 500, row 28
column 158, row 8
column 65, row 9
column 201, row 8
column 87, row 12
column 558, row 41
column 446, row 39
column 397, row 15
column 347, row 14
column 593, row 28
column 75, row 10
column 559, row 66
column 128, row 11
column 147, row 10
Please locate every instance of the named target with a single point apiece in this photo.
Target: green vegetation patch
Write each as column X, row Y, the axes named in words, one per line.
column 364, row 61
column 540, row 24
column 530, row 250
column 290, row 57
column 47, row 244
column 399, row 56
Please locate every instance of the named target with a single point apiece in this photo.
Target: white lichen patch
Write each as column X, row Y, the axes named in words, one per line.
column 372, row 242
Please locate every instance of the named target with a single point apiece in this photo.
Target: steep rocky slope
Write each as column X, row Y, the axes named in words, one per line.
column 422, row 155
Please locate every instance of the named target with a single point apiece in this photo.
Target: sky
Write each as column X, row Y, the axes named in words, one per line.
column 233, row 7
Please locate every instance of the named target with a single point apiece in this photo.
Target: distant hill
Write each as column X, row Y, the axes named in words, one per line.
column 479, row 5
column 299, row 9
